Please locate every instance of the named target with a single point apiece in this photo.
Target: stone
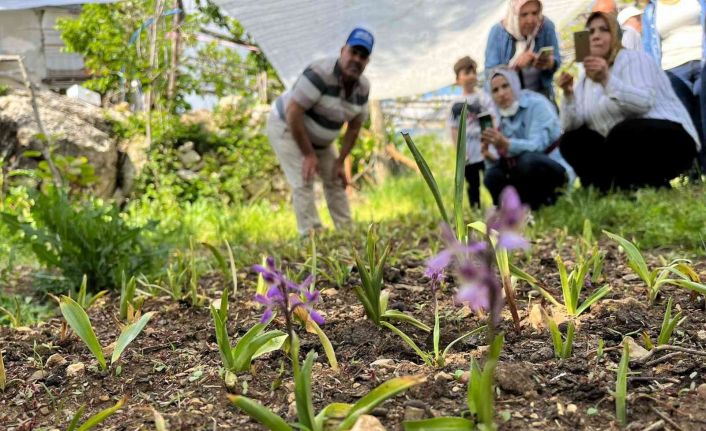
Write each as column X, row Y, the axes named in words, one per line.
column 368, row 423
column 701, row 391
column 701, row 335
column 188, row 156
column 515, row 377
column 384, row 363
column 55, row 360
column 44, row 410
column 571, row 409
column 77, row 129
column 75, row 370
column 38, row 375
column 413, row 413
column 441, row 375
column 637, row 352
column 541, row 355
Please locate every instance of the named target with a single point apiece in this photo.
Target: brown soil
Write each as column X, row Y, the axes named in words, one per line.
column 174, row 365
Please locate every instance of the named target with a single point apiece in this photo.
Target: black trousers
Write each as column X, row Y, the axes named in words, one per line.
column 472, row 173
column 537, row 178
column 636, row 153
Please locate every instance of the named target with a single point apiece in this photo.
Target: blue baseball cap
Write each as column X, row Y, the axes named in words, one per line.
column 361, row 37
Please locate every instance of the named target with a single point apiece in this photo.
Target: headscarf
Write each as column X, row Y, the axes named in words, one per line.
column 514, row 80
column 511, row 24
column 616, row 43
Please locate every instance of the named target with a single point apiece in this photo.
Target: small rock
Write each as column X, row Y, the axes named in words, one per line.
column 541, row 355
column 292, row 410
column 413, row 413
column 515, row 378
column 54, row 360
column 443, row 376
column 75, row 370
column 38, row 375
column 571, row 409
column 104, row 398
column 385, row 363
column 631, row 277
column 701, row 390
column 637, row 352
column 44, row 410
column 368, row 423
column 701, row 335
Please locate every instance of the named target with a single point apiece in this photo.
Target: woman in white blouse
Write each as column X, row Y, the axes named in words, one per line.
column 624, row 125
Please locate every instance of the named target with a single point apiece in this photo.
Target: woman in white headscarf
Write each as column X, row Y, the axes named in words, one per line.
column 526, row 140
column 517, row 40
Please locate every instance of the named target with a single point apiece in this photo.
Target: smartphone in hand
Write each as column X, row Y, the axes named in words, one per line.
column 485, row 120
column 582, row 45
column 545, row 53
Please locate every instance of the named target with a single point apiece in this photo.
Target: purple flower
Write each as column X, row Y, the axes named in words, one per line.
column 284, row 295
column 508, row 219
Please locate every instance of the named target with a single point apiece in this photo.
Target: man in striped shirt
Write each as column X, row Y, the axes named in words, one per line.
column 305, row 121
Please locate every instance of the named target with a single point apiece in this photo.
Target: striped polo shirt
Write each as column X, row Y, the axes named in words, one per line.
column 319, row 90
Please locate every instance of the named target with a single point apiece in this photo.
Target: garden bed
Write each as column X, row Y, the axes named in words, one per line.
column 173, row 367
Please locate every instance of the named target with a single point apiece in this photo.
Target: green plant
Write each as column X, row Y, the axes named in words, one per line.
column 656, row 278
column 16, row 311
column 78, row 320
column 563, row 348
column 255, row 342
column 85, row 300
column 669, row 323
column 96, row 419
column 306, row 419
column 460, row 160
column 129, row 306
column 338, row 268
column 621, row 386
column 480, row 398
column 572, row 284
column 227, row 269
column 370, row 292
column 91, row 239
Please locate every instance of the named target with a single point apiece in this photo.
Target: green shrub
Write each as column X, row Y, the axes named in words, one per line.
column 88, row 238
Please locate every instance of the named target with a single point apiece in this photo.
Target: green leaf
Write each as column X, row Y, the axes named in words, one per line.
column 326, row 343
column 691, row 285
column 331, row 411
column 534, row 284
column 378, row 395
column 425, row 356
column 439, row 424
column 462, row 337
column 428, row 176
column 621, row 386
column 78, row 320
column 302, row 392
column 437, row 332
column 233, row 270
column 77, row 416
column 128, row 334
column 222, row 340
column 269, row 342
column 260, row 413
column 220, row 260
column 635, row 259
column 102, row 415
column 593, row 298
column 402, row 317
column 459, row 177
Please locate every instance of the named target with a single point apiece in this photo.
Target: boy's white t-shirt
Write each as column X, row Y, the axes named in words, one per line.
column 478, row 102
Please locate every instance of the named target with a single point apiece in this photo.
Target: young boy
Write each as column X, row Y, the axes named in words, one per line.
column 477, row 102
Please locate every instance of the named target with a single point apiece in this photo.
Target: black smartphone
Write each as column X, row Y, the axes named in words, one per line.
column 582, row 45
column 485, row 120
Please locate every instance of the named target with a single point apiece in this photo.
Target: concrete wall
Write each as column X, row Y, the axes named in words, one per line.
column 32, row 34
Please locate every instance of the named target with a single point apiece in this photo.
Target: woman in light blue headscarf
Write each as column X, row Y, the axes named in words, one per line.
column 526, row 141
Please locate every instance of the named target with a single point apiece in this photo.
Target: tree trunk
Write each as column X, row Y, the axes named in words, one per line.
column 153, row 35
column 176, row 46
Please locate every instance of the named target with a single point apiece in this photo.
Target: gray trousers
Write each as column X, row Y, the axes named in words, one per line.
column 291, row 160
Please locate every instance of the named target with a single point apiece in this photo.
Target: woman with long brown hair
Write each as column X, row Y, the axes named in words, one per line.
column 625, row 126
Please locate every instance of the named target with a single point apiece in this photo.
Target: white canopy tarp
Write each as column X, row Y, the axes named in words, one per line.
column 31, row 4
column 417, row 41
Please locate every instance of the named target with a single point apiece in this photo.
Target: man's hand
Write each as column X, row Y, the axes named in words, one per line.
column 527, row 58
column 309, row 167
column 497, row 139
column 566, row 83
column 339, row 171
column 544, row 62
column 597, row 69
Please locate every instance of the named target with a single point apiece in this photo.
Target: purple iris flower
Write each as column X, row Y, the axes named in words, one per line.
column 508, row 219
column 285, row 295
